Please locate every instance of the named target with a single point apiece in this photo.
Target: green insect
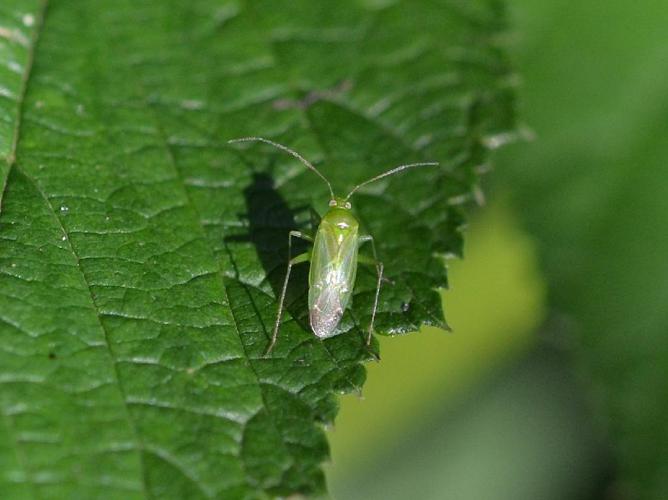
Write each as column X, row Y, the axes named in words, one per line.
column 334, row 256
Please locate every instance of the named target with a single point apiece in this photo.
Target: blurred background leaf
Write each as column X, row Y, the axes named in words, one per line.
column 598, row 191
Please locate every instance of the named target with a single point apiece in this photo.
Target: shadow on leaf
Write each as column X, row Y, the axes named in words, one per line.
column 269, row 219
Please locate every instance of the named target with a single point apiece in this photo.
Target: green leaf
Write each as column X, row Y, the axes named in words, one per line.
column 140, row 255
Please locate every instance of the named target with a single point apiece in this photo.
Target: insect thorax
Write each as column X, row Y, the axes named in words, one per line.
column 341, row 219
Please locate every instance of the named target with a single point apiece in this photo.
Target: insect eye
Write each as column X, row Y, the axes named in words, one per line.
column 348, row 205
column 332, row 203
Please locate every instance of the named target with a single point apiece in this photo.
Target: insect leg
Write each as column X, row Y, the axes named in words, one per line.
column 379, row 271
column 291, row 262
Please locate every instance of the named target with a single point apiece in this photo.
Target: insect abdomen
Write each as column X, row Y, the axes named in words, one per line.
column 326, row 311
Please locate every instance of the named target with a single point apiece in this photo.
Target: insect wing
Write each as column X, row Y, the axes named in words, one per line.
column 331, row 277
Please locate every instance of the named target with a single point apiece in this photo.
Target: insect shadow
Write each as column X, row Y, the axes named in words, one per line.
column 269, row 219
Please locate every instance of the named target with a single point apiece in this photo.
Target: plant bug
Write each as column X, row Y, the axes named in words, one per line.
column 334, row 256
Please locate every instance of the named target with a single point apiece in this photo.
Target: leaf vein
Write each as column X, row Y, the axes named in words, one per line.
column 98, row 315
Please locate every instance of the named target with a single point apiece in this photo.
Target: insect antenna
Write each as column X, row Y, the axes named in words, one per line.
column 286, row 149
column 393, row 171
